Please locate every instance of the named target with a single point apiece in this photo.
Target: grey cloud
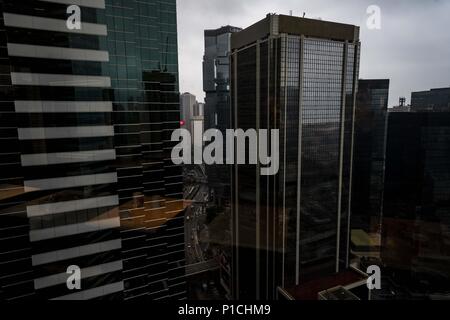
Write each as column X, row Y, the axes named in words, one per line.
column 412, row 48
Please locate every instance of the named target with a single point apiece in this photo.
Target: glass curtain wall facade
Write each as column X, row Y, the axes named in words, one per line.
column 188, row 103
column 216, row 77
column 293, row 227
column 437, row 100
column 216, row 85
column 144, row 69
column 415, row 239
column 86, row 118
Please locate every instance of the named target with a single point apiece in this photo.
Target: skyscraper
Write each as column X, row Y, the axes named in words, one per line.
column 416, row 217
column 437, row 100
column 87, row 179
column 298, row 76
column 216, row 77
column 216, row 85
column 192, row 117
column 188, row 108
column 369, row 159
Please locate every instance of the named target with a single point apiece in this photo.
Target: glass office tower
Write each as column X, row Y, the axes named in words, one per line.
column 299, row 76
column 216, row 85
column 86, row 118
column 415, row 233
column 216, row 77
column 188, row 104
column 437, row 100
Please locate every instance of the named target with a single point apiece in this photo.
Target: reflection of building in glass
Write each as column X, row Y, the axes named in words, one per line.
column 155, row 186
column 368, row 164
column 432, row 100
column 299, row 76
column 416, row 217
column 86, row 175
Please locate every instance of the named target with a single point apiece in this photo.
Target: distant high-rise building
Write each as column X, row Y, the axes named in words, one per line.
column 188, row 106
column 216, row 77
column 193, row 120
column 368, row 160
column 86, row 176
column 200, row 109
column 299, row 76
column 216, row 85
column 416, row 216
column 433, row 100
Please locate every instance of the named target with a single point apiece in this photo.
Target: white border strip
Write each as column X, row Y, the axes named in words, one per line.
column 70, row 182
column 49, row 24
column 94, row 293
column 73, row 229
column 59, row 80
column 89, row 272
column 70, row 206
column 62, row 106
column 96, row 4
column 65, row 132
column 81, row 251
column 45, row 52
column 45, row 159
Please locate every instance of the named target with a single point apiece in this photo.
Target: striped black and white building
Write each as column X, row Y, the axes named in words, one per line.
column 85, row 180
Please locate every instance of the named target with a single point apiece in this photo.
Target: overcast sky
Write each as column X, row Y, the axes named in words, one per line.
column 412, row 49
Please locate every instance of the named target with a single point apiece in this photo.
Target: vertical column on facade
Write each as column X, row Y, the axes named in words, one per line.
column 341, row 153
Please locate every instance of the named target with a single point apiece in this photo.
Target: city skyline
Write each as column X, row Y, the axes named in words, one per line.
column 118, row 183
column 409, row 64
column 86, row 119
column 299, row 76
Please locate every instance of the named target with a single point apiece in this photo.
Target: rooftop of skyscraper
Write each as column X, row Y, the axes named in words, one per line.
column 274, row 24
column 221, row 30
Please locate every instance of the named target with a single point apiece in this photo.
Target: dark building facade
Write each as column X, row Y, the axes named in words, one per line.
column 216, row 85
column 416, row 216
column 216, row 77
column 298, row 76
column 86, row 176
column 188, row 103
column 369, row 154
column 433, row 100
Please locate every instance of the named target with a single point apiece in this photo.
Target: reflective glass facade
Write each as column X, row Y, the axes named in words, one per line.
column 216, row 85
column 433, row 100
column 415, row 238
column 216, row 77
column 86, row 176
column 292, row 227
